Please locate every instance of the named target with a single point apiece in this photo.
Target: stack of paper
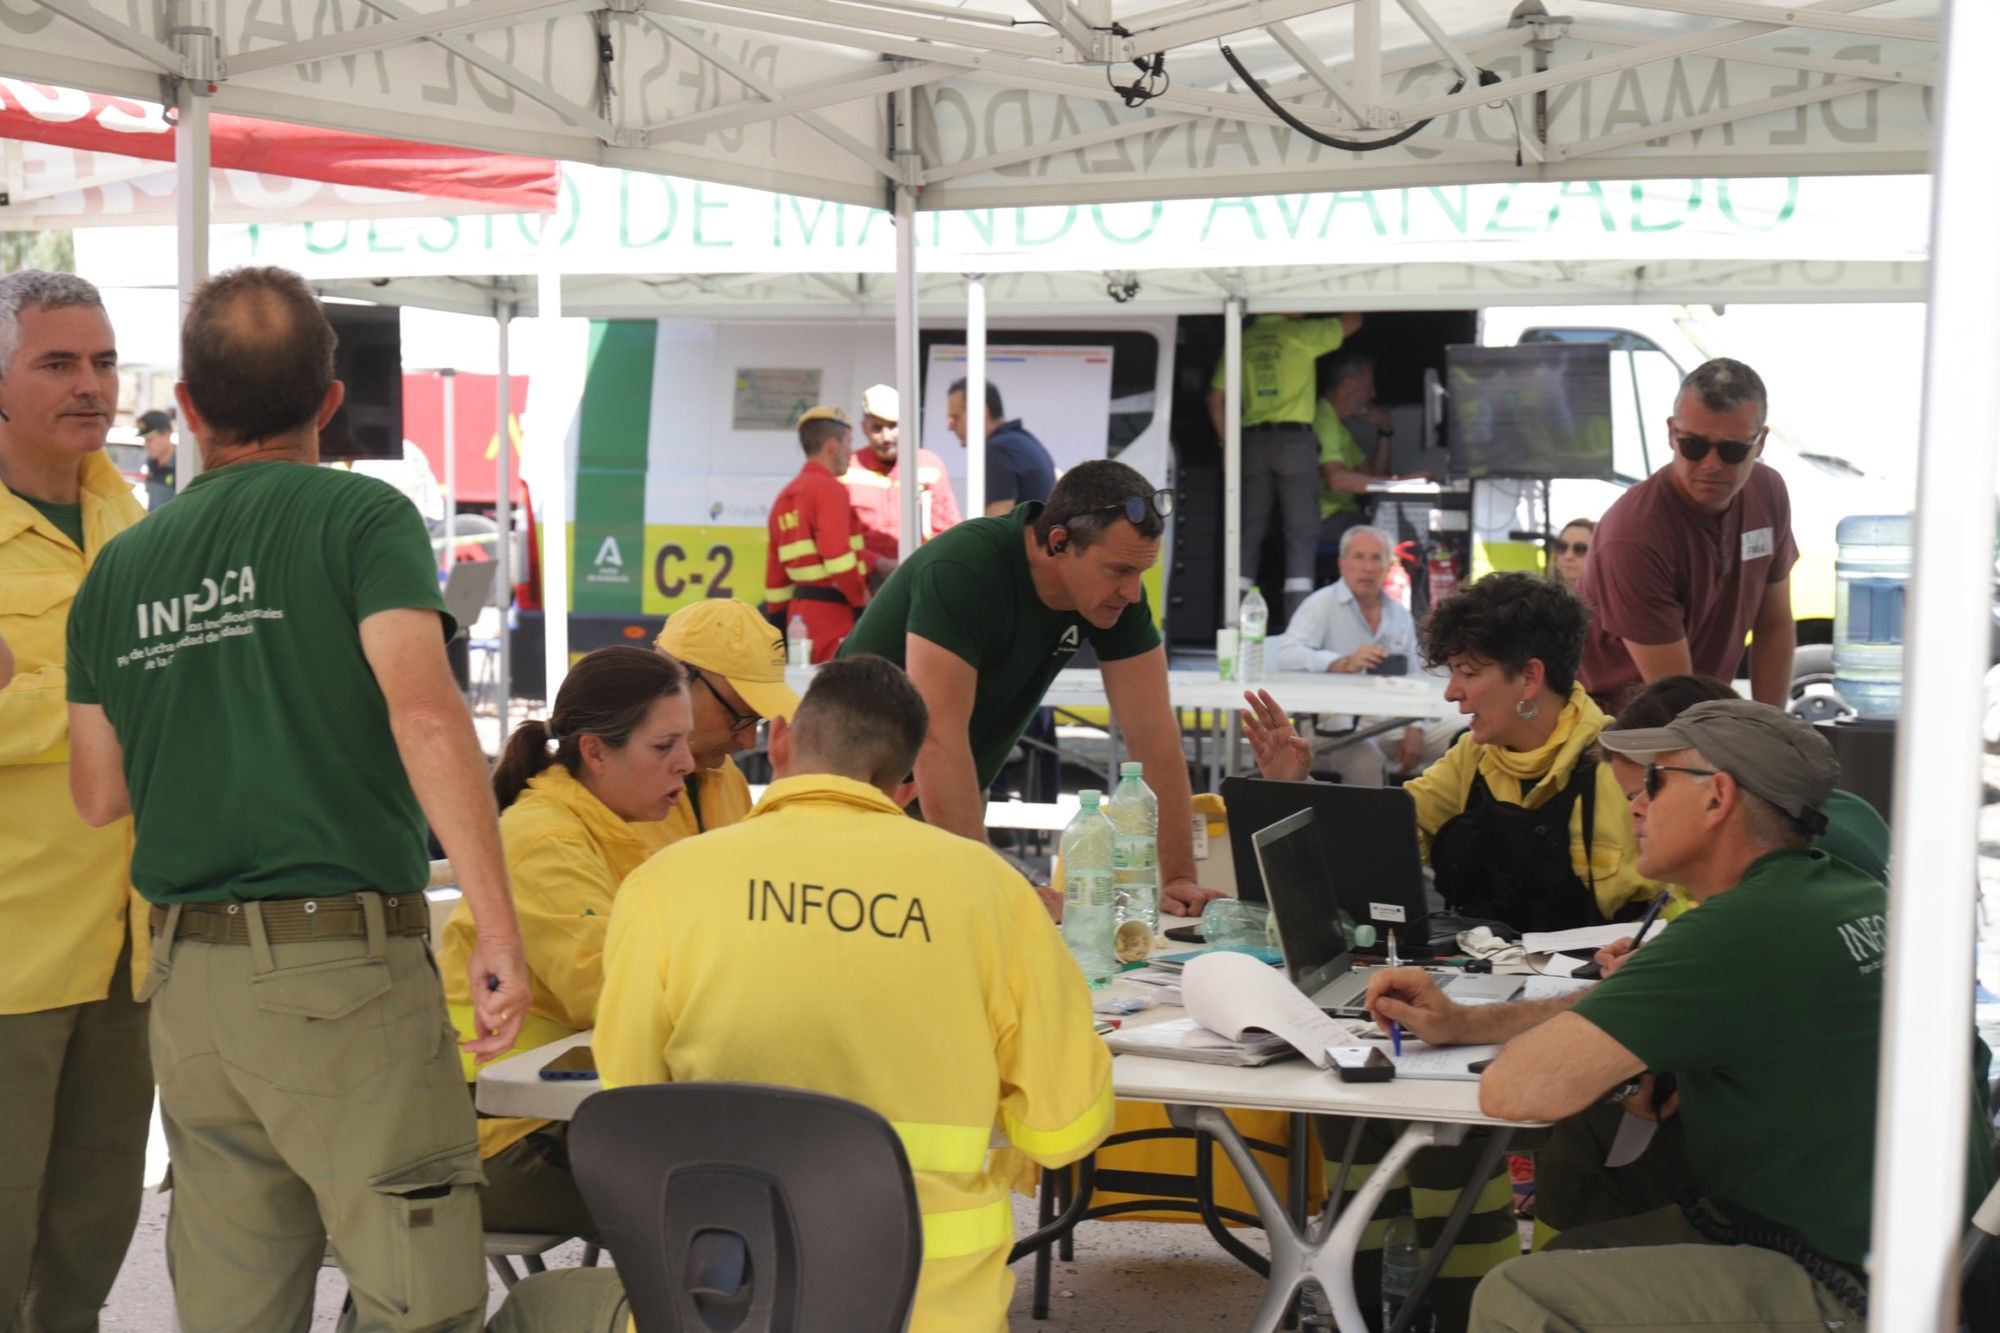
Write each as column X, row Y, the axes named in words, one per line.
column 1185, row 1039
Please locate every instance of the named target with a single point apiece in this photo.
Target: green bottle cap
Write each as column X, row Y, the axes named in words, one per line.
column 1089, row 799
column 1131, row 768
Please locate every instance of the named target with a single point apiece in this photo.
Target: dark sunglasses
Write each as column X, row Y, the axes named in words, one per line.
column 1134, row 507
column 737, row 721
column 1656, row 776
column 1561, row 547
column 1694, row 448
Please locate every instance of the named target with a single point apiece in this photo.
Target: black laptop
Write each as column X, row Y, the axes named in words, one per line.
column 1292, row 867
column 1368, row 833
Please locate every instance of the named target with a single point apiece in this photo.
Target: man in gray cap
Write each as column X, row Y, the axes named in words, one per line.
column 1766, row 1003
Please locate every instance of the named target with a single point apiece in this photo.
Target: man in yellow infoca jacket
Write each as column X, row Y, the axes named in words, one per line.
column 75, row 1082
column 873, row 958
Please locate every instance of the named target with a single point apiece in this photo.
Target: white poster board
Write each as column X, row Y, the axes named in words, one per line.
column 1060, row 395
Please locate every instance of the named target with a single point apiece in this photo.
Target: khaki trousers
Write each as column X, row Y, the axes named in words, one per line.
column 76, row 1092
column 573, row 1300
column 312, row 1093
column 1654, row 1274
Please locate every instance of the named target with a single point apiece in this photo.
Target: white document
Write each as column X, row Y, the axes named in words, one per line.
column 1550, row 988
column 1585, row 937
column 1449, row 1063
column 1185, row 1039
column 1232, row 993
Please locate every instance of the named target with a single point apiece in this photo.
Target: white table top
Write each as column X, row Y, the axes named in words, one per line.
column 1298, row 691
column 514, row 1086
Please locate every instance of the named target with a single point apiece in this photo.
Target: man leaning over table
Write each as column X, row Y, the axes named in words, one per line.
column 75, row 1087
column 1352, row 627
column 1766, row 1004
column 699, row 987
column 984, row 616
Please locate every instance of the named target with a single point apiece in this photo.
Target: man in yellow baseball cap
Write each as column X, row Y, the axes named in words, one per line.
column 736, row 659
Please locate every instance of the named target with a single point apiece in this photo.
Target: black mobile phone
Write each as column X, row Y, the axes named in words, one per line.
column 1479, row 1066
column 576, row 1062
column 1361, row 1064
column 1395, row 664
column 1187, row 935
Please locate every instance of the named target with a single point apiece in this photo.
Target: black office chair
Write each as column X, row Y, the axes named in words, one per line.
column 743, row 1206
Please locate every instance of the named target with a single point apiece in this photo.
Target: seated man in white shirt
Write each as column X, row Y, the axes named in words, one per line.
column 1350, row 626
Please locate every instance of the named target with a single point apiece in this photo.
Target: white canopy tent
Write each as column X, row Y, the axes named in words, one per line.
column 918, row 105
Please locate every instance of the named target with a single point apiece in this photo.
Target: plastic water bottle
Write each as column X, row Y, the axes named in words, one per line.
column 1253, row 622
column 1402, row 1261
column 1088, row 892
column 1134, row 813
column 1871, row 571
column 798, row 643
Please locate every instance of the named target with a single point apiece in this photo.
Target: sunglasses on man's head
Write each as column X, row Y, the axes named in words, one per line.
column 1561, row 547
column 1134, row 507
column 1694, row 448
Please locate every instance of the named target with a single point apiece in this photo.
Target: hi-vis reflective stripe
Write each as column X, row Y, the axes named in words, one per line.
column 840, row 564
column 855, row 541
column 1069, row 1141
column 783, row 594
column 958, row 1150
column 966, row 1231
column 793, row 550
column 807, row 573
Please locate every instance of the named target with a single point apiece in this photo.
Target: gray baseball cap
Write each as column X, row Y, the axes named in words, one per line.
column 1771, row 753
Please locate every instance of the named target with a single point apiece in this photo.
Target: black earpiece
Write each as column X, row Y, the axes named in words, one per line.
column 1058, row 546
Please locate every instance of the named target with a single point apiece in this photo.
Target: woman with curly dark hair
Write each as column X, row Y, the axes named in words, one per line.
column 1519, row 821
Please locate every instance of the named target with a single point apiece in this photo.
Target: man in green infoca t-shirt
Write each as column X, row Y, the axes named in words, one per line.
column 257, row 675
column 984, row 616
column 1766, row 1004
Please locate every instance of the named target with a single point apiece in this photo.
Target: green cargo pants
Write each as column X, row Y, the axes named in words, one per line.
column 1654, row 1274
column 529, row 1187
column 574, row 1300
column 312, row 1093
column 76, row 1092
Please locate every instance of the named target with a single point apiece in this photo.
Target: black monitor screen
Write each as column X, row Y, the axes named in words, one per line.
column 1300, row 894
column 1541, row 410
column 368, row 359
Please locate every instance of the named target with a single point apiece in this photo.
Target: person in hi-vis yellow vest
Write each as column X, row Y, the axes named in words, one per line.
column 958, row 1009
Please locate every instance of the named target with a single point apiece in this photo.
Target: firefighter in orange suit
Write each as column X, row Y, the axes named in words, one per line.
column 813, row 570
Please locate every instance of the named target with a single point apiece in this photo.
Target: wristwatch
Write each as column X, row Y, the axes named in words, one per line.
column 1621, row 1092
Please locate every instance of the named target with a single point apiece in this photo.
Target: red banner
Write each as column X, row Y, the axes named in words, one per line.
column 475, row 402
column 43, row 113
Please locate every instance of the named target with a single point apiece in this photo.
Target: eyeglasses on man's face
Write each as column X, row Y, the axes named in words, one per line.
column 1656, row 776
column 737, row 721
column 1561, row 547
column 1694, row 448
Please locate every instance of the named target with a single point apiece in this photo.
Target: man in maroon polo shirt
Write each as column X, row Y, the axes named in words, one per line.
column 1689, row 560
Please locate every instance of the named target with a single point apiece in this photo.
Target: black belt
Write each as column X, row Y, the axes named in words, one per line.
column 1277, row 425
column 805, row 594
column 292, row 920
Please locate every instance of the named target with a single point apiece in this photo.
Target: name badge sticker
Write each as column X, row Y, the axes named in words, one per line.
column 1757, row 544
column 1387, row 912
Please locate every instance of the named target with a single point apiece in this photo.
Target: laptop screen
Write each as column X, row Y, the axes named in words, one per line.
column 1300, row 893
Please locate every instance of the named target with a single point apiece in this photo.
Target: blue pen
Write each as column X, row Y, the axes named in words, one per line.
column 1396, row 1038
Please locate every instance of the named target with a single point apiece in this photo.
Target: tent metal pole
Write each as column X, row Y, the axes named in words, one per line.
column 551, row 450
column 195, row 39
column 908, row 377
column 503, row 509
column 449, row 378
column 1232, row 457
column 1923, row 1109
column 975, row 395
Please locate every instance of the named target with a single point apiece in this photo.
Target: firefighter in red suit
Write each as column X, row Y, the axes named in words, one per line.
column 813, row 570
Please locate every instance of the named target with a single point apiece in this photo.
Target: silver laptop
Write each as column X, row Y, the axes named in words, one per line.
column 1300, row 891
